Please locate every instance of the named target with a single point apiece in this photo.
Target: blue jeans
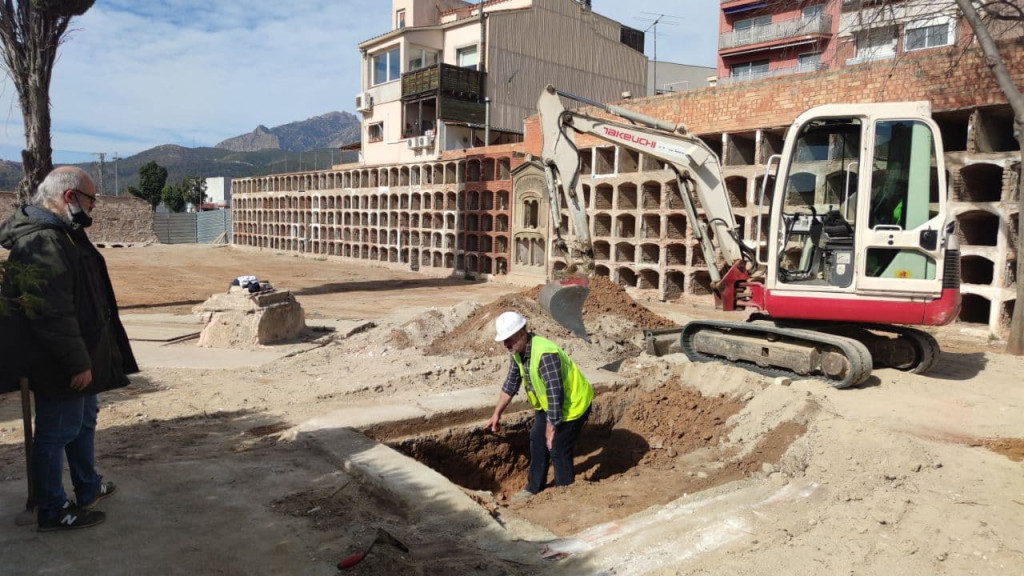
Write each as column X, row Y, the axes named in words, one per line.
column 563, row 450
column 64, row 427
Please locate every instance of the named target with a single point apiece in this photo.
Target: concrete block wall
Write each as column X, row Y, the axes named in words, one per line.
column 116, row 219
column 445, row 217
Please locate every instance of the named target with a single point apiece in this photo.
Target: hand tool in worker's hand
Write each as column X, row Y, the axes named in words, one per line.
column 382, row 536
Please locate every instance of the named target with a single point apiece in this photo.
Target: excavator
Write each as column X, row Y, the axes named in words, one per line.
column 853, row 244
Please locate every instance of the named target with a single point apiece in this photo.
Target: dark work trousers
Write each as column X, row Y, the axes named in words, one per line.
column 64, row 428
column 563, row 450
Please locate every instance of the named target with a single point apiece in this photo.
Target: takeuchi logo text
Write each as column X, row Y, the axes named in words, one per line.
column 628, row 137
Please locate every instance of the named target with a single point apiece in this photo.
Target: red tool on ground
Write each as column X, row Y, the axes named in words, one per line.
column 382, row 536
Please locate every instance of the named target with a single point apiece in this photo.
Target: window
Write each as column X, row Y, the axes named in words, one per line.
column 419, row 57
column 752, row 23
column 930, row 34
column 467, row 57
column 821, row 188
column 375, row 132
column 809, row 61
column 902, row 188
column 400, row 19
column 749, row 69
column 810, row 12
column 750, row 29
column 386, row 66
column 904, row 155
column 875, row 45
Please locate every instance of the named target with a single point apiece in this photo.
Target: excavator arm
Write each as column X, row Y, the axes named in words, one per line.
column 698, row 175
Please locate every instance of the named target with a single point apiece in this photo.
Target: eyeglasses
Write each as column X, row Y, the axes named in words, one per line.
column 91, row 197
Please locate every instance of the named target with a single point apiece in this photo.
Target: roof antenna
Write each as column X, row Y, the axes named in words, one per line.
column 656, row 19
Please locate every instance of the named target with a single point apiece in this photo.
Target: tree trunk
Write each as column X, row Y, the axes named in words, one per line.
column 31, row 35
column 1015, row 343
column 37, row 156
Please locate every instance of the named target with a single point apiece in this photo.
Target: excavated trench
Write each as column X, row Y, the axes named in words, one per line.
column 640, row 447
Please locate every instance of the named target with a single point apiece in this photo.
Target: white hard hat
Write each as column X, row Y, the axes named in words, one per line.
column 508, row 324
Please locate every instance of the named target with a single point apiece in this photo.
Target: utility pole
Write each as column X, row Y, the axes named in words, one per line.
column 117, row 190
column 655, row 19
column 102, row 155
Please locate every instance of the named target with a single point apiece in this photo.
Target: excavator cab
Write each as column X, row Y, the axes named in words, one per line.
column 860, row 210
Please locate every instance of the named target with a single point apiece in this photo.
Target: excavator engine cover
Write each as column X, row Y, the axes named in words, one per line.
column 563, row 300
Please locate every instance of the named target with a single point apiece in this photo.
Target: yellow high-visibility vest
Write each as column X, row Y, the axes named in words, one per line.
column 578, row 392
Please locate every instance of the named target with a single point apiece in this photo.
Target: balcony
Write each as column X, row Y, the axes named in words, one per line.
column 443, row 80
column 442, row 92
column 771, row 74
column 819, row 26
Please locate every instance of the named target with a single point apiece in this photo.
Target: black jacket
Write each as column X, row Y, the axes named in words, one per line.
column 75, row 325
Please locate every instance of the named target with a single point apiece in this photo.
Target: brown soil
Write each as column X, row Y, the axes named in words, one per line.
column 640, row 447
column 605, row 299
column 1012, row 448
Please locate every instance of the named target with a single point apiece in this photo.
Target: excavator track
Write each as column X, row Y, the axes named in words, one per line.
column 891, row 346
column 772, row 350
column 928, row 348
column 923, row 349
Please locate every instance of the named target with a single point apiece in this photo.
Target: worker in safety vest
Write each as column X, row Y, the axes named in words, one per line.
column 557, row 390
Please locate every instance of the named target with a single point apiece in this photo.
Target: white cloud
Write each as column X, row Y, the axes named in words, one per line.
column 138, row 73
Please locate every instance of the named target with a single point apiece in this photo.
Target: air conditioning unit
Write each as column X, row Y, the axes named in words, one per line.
column 364, row 102
column 424, row 141
column 413, row 143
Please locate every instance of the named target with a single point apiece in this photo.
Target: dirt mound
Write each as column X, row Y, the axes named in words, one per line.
column 430, row 325
column 676, row 419
column 475, row 336
column 607, row 297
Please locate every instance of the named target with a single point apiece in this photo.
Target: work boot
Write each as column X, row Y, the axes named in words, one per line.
column 71, row 517
column 106, row 489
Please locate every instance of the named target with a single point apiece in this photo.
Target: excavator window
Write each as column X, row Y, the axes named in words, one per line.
column 901, row 175
column 902, row 189
column 820, row 200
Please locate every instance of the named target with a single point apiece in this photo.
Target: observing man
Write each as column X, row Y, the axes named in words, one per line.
column 557, row 390
column 70, row 343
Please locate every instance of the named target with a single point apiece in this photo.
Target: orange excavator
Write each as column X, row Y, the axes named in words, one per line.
column 857, row 243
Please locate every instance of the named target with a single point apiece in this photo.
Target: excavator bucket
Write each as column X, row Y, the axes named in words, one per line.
column 563, row 300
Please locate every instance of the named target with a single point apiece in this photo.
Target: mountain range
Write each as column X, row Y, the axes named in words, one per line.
column 310, row 144
column 329, row 130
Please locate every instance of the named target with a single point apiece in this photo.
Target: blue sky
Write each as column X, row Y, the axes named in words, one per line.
column 134, row 74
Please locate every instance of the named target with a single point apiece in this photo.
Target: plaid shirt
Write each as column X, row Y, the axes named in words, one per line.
column 550, row 369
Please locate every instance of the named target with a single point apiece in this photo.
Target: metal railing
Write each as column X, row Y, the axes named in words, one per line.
column 753, row 76
column 821, row 24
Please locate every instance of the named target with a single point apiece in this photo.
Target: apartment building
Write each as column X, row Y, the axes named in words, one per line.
column 453, row 75
column 760, row 39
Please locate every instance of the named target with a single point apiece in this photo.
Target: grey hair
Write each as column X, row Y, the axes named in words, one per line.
column 56, row 182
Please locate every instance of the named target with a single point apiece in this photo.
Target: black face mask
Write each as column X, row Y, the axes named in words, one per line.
column 82, row 218
column 79, row 216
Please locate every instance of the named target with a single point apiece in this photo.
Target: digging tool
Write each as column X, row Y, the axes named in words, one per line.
column 383, row 537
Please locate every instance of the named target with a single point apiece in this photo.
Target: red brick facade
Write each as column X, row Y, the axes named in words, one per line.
column 949, row 79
